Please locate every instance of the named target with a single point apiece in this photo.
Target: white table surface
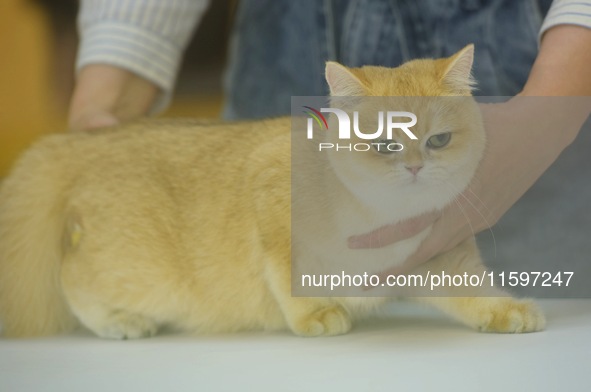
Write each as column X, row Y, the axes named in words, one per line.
column 415, row 349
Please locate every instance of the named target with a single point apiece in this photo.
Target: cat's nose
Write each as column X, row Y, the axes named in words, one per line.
column 414, row 169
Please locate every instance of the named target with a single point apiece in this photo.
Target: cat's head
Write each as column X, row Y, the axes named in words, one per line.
column 440, row 163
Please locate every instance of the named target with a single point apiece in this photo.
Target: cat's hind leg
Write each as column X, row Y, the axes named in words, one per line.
column 108, row 303
column 103, row 318
column 116, row 324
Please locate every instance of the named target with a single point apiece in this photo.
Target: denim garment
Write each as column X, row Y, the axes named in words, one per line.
column 279, row 47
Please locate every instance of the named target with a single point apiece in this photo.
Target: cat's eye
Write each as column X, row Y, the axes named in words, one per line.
column 439, row 141
column 386, row 146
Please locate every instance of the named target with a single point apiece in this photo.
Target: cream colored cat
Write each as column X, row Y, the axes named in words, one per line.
column 182, row 224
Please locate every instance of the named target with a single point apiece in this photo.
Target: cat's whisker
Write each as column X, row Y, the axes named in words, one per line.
column 455, row 199
column 465, row 215
column 488, row 225
column 488, row 211
column 476, row 181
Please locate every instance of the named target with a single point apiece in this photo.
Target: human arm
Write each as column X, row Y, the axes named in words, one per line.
column 525, row 136
column 129, row 55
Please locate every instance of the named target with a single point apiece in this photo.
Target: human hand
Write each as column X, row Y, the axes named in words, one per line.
column 106, row 95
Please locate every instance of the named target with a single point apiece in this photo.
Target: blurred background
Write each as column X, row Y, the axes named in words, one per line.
column 38, row 42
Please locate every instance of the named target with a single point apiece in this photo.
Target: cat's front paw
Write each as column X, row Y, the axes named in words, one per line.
column 329, row 321
column 509, row 315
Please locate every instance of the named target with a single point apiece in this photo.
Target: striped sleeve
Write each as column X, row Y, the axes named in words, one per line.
column 146, row 37
column 573, row 12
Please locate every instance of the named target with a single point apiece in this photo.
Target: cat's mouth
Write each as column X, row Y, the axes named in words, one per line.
column 414, row 179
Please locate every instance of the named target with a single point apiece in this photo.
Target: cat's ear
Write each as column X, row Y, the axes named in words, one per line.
column 342, row 82
column 458, row 72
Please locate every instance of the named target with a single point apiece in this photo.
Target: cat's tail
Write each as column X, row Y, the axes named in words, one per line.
column 31, row 227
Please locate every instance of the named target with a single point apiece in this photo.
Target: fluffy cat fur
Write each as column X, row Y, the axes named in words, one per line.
column 186, row 224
